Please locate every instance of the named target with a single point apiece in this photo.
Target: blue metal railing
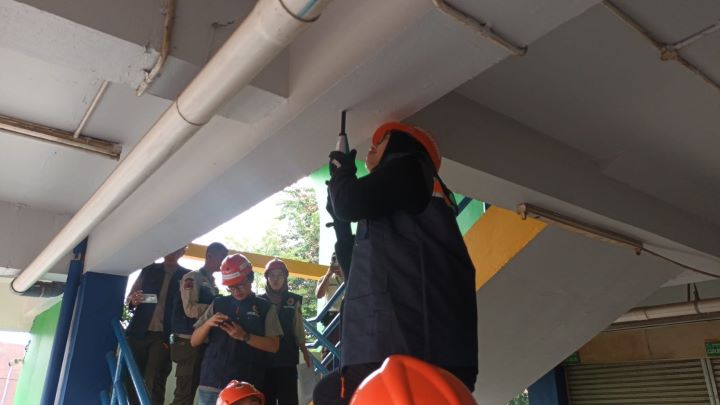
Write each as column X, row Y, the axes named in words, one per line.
column 118, row 366
column 321, row 339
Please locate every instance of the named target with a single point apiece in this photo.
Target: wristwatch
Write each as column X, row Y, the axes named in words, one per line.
column 246, row 338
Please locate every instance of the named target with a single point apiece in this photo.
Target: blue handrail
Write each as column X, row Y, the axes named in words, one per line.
column 125, row 360
column 321, row 339
column 319, row 317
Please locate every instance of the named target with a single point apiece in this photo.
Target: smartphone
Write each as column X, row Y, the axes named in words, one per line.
column 149, row 299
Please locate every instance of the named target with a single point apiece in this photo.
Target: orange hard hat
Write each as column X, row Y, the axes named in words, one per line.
column 235, row 269
column 407, row 380
column 420, row 135
column 236, row 391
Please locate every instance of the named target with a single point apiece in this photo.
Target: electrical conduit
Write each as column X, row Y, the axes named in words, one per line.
column 269, row 28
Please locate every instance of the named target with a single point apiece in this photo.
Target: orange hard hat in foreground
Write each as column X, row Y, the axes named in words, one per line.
column 235, row 269
column 236, row 391
column 405, row 380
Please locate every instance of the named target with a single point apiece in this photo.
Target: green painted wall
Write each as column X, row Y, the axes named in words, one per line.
column 470, row 214
column 32, row 377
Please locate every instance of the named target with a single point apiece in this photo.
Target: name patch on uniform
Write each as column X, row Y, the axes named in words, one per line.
column 254, row 311
column 189, row 283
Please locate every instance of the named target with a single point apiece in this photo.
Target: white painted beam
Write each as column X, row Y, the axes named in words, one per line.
column 128, row 37
column 528, row 166
column 550, row 299
column 25, row 232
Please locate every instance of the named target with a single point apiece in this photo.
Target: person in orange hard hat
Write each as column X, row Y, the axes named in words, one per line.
column 240, row 330
column 407, row 380
column 240, row 393
column 410, row 279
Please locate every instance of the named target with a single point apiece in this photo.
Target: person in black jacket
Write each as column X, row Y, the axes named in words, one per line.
column 410, row 280
column 151, row 300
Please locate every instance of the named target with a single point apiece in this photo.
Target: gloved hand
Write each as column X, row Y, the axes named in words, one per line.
column 342, row 161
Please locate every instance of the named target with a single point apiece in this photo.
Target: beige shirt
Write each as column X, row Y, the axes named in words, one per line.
column 190, row 287
column 332, row 286
column 299, row 328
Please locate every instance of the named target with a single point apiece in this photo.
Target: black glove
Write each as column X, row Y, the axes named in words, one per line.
column 342, row 161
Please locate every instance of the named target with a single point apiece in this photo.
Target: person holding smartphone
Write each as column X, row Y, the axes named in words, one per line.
column 239, row 329
column 150, row 300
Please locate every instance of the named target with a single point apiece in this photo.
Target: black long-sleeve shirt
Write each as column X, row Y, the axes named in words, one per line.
column 396, row 184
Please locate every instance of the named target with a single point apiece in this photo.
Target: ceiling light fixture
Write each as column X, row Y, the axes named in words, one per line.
column 595, row 232
column 101, row 147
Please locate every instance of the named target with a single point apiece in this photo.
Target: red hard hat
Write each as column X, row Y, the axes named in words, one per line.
column 236, row 391
column 234, row 269
column 407, row 380
column 276, row 264
column 420, row 135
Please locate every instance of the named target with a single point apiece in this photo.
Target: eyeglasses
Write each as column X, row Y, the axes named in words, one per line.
column 238, row 287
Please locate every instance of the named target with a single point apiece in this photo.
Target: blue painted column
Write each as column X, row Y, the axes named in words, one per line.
column 550, row 389
column 63, row 326
column 86, row 373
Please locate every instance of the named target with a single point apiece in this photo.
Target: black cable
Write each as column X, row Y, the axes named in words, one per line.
column 684, row 266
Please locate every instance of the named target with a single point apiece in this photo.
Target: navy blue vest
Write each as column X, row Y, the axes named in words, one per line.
column 411, row 290
column 231, row 359
column 183, row 324
column 288, row 355
column 152, row 280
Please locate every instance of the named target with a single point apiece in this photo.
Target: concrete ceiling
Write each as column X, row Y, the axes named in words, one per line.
column 598, row 86
column 590, row 122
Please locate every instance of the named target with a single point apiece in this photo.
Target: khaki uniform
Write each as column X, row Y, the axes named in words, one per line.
column 197, row 290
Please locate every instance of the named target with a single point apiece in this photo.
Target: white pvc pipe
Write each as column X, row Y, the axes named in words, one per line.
column 268, row 29
column 91, row 108
column 671, row 310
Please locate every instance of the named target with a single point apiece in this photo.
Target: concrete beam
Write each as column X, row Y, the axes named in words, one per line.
column 506, row 163
column 64, row 43
column 26, row 231
column 559, row 292
column 128, row 35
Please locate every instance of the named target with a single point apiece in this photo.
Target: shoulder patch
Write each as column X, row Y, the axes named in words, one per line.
column 188, row 283
column 291, row 301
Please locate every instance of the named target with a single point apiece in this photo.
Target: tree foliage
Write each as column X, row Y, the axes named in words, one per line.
column 295, row 234
column 521, row 399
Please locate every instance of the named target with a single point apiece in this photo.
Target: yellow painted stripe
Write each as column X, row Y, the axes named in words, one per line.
column 496, row 238
column 297, row 268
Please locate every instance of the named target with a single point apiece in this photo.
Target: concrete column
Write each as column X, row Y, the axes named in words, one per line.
column 550, row 389
column 85, row 369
